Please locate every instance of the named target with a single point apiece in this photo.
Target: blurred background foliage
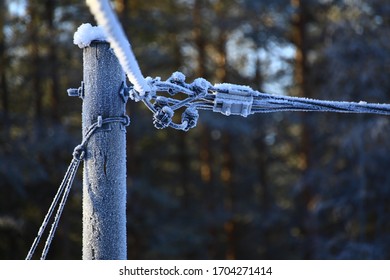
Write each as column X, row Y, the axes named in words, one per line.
column 272, row 186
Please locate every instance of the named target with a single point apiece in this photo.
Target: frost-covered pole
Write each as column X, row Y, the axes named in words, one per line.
column 104, row 178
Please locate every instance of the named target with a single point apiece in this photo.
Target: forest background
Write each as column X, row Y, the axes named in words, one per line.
column 270, row 186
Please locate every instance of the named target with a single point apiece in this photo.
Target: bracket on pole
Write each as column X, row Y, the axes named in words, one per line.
column 77, row 92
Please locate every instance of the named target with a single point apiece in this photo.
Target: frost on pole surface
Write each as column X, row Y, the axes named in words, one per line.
column 106, row 18
column 104, row 178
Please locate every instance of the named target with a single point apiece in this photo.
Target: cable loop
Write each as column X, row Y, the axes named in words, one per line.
column 79, row 152
column 126, row 120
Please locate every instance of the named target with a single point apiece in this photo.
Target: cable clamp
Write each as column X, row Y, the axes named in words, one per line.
column 233, row 101
column 126, row 120
column 191, row 116
column 99, row 121
column 79, row 152
column 163, row 117
column 77, row 92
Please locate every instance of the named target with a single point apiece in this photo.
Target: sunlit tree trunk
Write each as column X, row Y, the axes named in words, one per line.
column 299, row 36
column 301, row 73
column 200, row 71
column 221, row 75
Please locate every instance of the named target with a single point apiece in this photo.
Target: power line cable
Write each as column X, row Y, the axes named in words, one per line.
column 228, row 99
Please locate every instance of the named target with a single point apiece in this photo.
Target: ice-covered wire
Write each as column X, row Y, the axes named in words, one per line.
column 65, row 184
column 230, row 99
column 245, row 102
column 227, row 99
column 68, row 186
column 265, row 103
column 106, row 18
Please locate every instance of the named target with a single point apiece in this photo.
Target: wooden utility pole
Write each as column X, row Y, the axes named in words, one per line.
column 104, row 178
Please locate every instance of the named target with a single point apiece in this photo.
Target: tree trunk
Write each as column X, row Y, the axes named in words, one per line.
column 53, row 62
column 301, row 73
column 301, row 70
column 261, row 162
column 36, row 63
column 3, row 69
column 221, row 55
column 199, row 39
column 227, row 180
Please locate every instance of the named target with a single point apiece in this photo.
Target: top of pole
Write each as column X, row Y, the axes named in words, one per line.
column 86, row 33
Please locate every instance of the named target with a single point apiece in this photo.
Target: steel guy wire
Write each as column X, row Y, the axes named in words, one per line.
column 76, row 163
column 54, row 203
column 79, row 154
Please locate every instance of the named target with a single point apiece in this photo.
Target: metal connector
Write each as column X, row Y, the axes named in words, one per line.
column 77, row 92
column 233, row 102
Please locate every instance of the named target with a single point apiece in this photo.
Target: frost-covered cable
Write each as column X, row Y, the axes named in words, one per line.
column 106, row 18
column 224, row 98
column 242, row 100
column 75, row 164
column 50, row 211
column 231, row 99
column 265, row 103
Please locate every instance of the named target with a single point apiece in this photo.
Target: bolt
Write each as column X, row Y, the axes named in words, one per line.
column 77, row 92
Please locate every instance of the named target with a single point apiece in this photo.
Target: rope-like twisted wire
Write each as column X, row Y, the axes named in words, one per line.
column 106, row 18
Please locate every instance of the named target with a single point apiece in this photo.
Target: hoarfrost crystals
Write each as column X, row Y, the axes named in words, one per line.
column 177, row 77
column 232, row 87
